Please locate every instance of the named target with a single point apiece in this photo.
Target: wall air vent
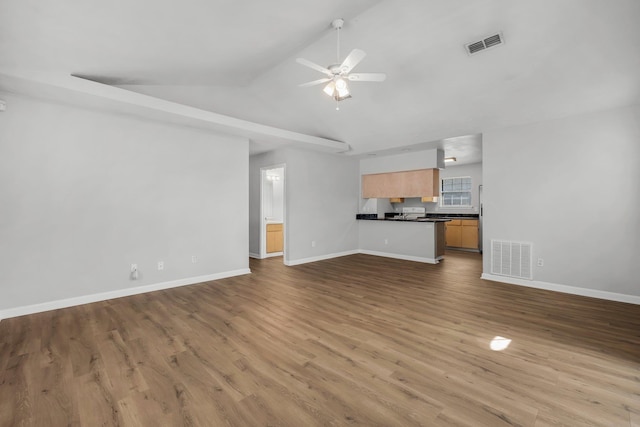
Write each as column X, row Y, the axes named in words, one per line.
column 484, row 44
column 513, row 259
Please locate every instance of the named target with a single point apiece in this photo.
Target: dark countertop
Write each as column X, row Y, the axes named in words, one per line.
column 430, row 217
column 374, row 217
column 453, row 215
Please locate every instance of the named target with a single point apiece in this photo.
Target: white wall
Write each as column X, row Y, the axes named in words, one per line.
column 414, row 160
column 321, row 194
column 273, row 195
column 277, row 199
column 414, row 241
column 83, row 194
column 570, row 187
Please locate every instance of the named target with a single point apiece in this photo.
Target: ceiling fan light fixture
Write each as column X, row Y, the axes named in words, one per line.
column 341, row 84
column 330, row 88
column 343, row 93
column 342, row 88
column 337, row 74
column 337, row 89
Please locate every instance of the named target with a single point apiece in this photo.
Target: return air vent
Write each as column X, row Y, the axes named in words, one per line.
column 513, row 259
column 484, row 44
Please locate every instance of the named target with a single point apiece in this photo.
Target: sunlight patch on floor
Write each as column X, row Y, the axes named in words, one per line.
column 499, row 343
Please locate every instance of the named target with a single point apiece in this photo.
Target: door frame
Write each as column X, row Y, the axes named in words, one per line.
column 263, row 222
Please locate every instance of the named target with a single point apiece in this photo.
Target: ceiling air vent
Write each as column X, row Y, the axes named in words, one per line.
column 484, row 44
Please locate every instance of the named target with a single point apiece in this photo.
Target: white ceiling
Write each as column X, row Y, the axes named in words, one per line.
column 237, row 58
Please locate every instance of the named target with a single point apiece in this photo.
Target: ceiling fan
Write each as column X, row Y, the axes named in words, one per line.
column 337, row 75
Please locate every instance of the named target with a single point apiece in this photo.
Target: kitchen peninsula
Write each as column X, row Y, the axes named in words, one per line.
column 413, row 239
column 412, row 235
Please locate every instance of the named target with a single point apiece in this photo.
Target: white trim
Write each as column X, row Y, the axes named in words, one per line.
column 319, row 258
column 103, row 296
column 403, row 257
column 115, row 99
column 585, row 292
column 366, row 252
column 272, row 254
column 252, row 255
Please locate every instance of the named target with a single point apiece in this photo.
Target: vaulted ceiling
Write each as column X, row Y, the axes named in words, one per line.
column 237, row 57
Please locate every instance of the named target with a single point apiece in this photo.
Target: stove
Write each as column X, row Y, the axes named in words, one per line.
column 413, row 213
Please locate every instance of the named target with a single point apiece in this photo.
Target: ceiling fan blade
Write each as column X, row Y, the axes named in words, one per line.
column 367, row 77
column 314, row 66
column 315, row 82
column 352, row 60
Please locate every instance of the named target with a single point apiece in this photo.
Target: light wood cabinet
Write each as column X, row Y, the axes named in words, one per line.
column 469, row 234
column 454, row 233
column 275, row 241
column 416, row 183
column 462, row 233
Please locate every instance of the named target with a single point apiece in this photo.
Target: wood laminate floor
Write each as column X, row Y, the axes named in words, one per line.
column 357, row 340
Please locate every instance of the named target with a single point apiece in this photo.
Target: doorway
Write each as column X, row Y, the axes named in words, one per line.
column 272, row 211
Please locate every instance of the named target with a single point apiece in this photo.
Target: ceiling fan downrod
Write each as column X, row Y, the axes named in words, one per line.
column 337, row 25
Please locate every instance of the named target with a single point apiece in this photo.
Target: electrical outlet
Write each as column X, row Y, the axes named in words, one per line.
column 386, row 241
column 194, row 259
column 313, row 243
column 540, row 262
column 134, row 272
column 160, row 265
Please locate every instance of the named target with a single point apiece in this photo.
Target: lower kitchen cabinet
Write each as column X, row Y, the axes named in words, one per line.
column 462, row 233
column 469, row 235
column 275, row 241
column 454, row 233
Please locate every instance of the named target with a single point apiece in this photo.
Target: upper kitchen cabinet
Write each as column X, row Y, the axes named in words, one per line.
column 415, row 183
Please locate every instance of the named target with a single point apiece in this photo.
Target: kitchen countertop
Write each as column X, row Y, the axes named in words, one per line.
column 453, row 215
column 374, row 217
column 430, row 217
column 407, row 220
column 451, row 218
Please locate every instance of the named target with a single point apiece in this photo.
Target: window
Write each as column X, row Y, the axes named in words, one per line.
column 456, row 192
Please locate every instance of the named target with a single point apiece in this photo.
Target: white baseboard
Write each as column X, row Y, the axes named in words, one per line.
column 103, row 296
column 366, row 252
column 270, row 255
column 403, row 257
column 319, row 258
column 593, row 293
